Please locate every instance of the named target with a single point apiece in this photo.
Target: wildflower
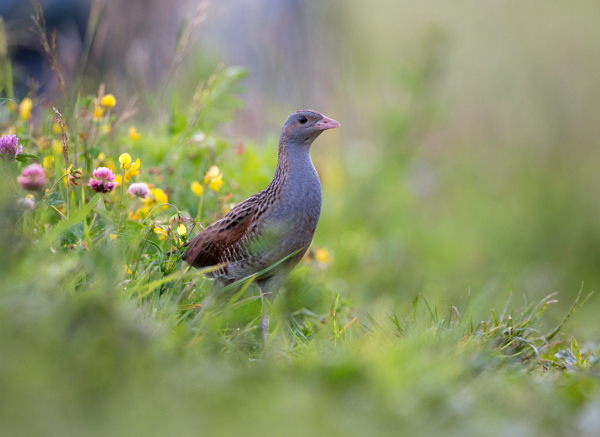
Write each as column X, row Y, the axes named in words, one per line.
column 181, row 229
column 48, row 163
column 134, row 215
column 214, row 178
column 137, row 215
column 198, row 136
column 74, row 176
column 56, row 128
column 107, row 129
column 103, row 180
column 322, row 256
column 9, row 147
column 108, row 101
column 33, row 178
column 212, row 173
column 110, row 163
column 26, row 204
column 215, row 184
column 113, row 236
column 57, row 147
column 25, row 108
column 139, row 189
column 133, row 170
column 118, row 180
column 156, row 197
column 197, row 188
column 133, row 133
column 125, row 160
column 98, row 112
column 162, row 233
column 160, row 197
column 127, row 269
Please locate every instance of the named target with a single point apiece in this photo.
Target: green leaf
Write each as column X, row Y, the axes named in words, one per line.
column 53, row 199
column 23, row 157
column 53, row 234
column 3, row 101
column 575, row 349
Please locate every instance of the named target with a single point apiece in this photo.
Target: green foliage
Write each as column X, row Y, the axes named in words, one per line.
column 103, row 330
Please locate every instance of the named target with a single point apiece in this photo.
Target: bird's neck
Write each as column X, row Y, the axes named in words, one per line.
column 294, row 165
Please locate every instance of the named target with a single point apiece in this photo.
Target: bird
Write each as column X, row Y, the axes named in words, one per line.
column 278, row 223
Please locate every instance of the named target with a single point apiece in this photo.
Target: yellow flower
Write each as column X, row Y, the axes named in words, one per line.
column 57, row 147
column 197, row 188
column 162, row 234
column 111, row 165
column 98, row 112
column 137, row 215
column 160, row 197
column 214, row 178
column 113, row 236
column 322, row 256
column 133, row 170
column 48, row 163
column 133, row 133
column 135, row 167
column 118, row 179
column 181, row 229
column 108, row 101
column 125, row 160
column 101, row 157
column 127, row 269
column 156, row 197
column 211, row 174
column 25, row 108
column 56, row 128
column 216, row 183
column 107, row 129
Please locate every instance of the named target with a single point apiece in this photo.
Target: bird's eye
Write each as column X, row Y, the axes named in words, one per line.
column 303, row 120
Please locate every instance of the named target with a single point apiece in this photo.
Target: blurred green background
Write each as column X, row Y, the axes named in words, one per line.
column 468, row 155
column 466, row 164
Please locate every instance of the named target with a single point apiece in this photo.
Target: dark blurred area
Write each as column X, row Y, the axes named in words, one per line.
column 468, row 153
column 29, row 62
column 130, row 42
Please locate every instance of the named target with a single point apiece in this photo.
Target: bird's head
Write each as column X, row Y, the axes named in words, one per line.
column 302, row 127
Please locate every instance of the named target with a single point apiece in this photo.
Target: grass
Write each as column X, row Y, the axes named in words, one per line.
column 103, row 331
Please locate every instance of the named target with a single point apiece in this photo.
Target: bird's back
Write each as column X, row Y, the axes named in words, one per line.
column 261, row 230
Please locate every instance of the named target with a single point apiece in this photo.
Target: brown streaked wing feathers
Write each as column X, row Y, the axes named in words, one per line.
column 207, row 248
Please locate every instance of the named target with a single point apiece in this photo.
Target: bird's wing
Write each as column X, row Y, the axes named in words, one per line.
column 223, row 237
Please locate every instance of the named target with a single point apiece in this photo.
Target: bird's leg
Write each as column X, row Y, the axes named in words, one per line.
column 268, row 289
column 264, row 327
column 264, row 319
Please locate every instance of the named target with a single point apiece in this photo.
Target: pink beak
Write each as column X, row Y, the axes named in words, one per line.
column 327, row 123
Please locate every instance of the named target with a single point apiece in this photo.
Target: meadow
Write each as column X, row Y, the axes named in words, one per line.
column 449, row 289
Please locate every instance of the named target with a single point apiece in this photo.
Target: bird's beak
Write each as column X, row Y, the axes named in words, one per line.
column 326, row 123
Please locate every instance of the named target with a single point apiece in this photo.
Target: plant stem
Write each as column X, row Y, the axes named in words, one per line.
column 141, row 252
column 122, row 186
column 50, row 190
